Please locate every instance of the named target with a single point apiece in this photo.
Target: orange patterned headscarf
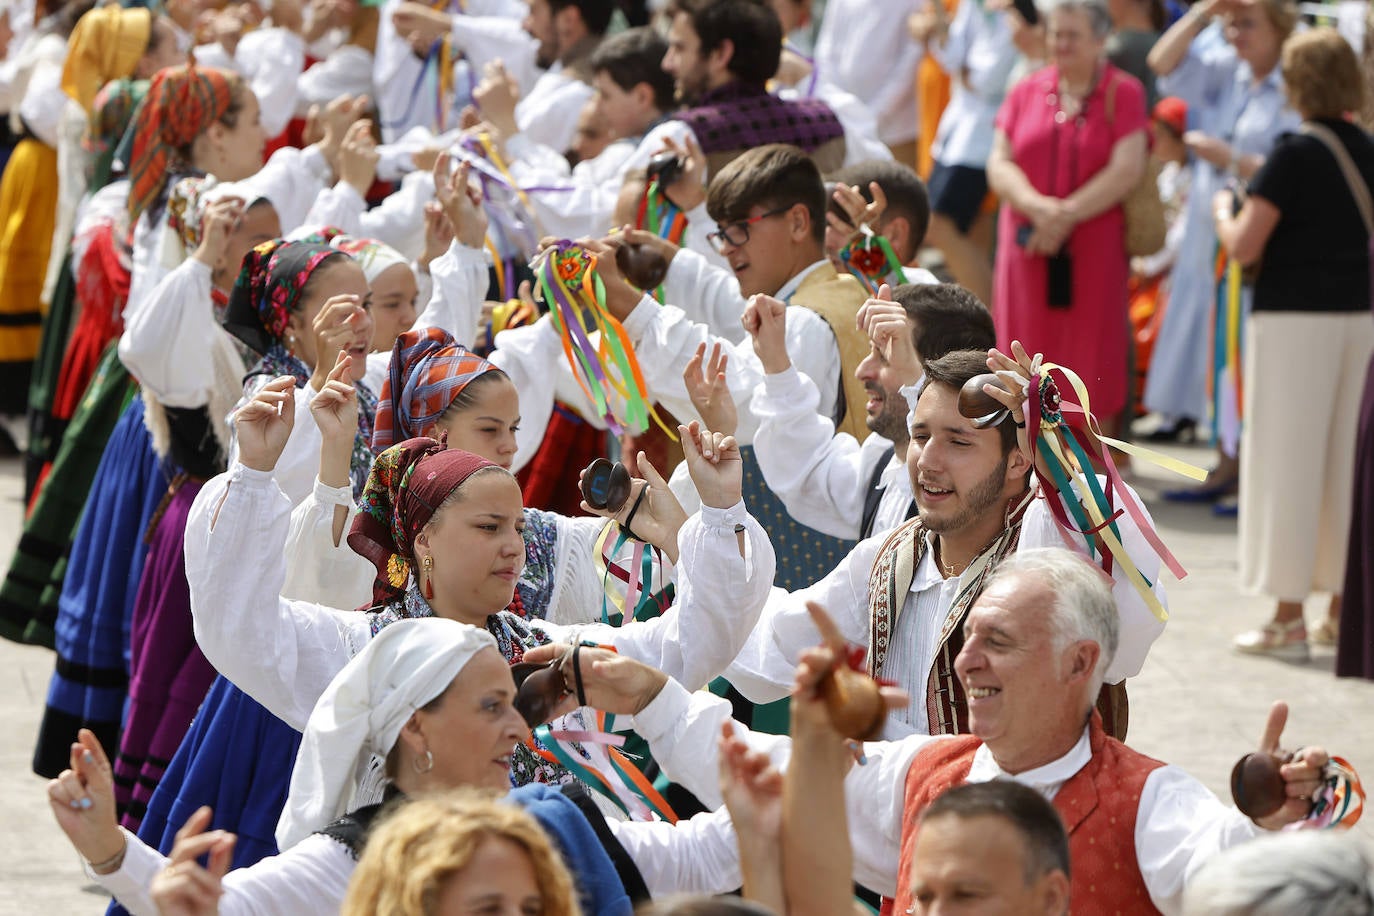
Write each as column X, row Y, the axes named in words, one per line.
column 106, row 45
column 182, row 102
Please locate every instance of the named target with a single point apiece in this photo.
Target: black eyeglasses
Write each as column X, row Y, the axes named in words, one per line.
column 737, row 233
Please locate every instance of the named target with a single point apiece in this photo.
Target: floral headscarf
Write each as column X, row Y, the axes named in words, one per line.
column 428, row 370
column 408, row 483
column 268, row 290
column 181, row 103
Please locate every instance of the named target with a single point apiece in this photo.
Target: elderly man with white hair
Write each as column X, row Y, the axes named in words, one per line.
column 1035, row 649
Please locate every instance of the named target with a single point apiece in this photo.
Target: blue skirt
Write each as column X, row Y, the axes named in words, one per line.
column 236, row 758
column 90, row 683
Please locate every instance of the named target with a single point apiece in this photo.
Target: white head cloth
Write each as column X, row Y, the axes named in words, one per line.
column 372, row 256
column 361, row 714
column 912, row 394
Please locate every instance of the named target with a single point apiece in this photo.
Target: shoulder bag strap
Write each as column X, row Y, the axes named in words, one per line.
column 1359, row 190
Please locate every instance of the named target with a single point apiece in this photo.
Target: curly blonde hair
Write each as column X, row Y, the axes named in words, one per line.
column 415, row 851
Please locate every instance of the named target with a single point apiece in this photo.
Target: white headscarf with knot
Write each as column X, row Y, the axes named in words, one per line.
column 361, row 714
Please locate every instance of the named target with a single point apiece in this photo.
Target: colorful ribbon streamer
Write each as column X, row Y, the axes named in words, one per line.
column 872, row 260
column 659, row 215
column 1077, row 499
column 638, row 578
column 608, row 371
column 1340, row 800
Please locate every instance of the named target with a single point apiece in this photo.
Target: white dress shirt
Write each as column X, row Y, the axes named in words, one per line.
column 695, row 856
column 283, row 653
column 569, row 203
column 823, row 476
column 764, row 670
column 548, row 113
column 1179, row 822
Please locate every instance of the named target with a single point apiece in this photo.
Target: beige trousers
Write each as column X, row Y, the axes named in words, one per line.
column 1304, row 378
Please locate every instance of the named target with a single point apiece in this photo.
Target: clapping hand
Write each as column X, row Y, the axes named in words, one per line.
column 263, row 425
column 438, row 233
column 709, row 391
column 714, row 461
column 184, row 887
column 885, row 322
column 340, row 322
column 82, row 800
column 765, row 318
column 335, row 408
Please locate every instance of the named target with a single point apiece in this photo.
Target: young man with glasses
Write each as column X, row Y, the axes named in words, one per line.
column 769, row 209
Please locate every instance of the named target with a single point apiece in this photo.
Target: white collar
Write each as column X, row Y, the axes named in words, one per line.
column 791, row 286
column 1047, row 779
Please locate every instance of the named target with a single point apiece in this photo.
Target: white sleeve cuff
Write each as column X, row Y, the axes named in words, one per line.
column 664, row 712
column 250, row 477
column 326, row 495
column 637, row 323
column 711, row 517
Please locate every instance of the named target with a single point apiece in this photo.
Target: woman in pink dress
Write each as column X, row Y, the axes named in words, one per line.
column 1070, row 144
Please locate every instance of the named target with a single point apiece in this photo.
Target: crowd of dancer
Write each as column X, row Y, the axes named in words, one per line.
column 521, row 455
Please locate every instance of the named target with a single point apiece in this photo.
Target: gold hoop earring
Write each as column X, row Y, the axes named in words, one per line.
column 428, row 763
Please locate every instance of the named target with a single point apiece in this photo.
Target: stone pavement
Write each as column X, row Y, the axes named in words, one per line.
column 1196, row 704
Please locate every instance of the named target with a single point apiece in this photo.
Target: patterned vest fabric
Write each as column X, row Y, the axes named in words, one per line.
column 1098, row 805
column 735, row 118
column 889, row 584
column 836, row 298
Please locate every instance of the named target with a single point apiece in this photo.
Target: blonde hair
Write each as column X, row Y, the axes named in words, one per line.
column 1321, row 75
column 415, row 851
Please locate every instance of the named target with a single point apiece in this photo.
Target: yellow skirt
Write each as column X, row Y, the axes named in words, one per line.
column 28, row 211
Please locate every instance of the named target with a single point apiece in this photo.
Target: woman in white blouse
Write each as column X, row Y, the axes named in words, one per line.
column 427, row 706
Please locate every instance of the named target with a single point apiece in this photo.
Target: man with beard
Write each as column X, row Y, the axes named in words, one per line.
column 538, row 68
column 827, row 479
column 904, row 595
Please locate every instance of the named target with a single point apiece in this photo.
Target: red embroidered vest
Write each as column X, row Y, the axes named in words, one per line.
column 1098, row 804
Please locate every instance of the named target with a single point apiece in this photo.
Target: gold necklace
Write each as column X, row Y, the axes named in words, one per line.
column 948, row 570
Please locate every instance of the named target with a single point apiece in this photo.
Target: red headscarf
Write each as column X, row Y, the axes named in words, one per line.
column 182, row 102
column 408, row 483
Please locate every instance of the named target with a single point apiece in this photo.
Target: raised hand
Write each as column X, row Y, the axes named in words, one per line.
column 496, row 97
column 621, row 297
column 885, row 323
column 659, row 517
column 332, row 122
column 420, row 26
column 809, row 713
column 358, row 157
column 713, row 459
column 263, row 425
column 1302, row 773
column 708, row 390
column 339, row 322
column 219, row 222
column 335, row 408
column 82, row 800
column 751, row 787
column 438, row 233
column 461, row 198
column 689, row 190
column 184, row 887
column 765, row 318
column 860, row 214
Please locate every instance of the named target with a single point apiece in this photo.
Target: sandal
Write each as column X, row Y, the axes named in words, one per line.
column 1325, row 633
column 1285, row 641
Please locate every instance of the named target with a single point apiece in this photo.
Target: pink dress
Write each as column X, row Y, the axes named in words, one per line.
column 1059, row 155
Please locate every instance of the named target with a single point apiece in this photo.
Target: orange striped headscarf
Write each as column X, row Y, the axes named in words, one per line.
column 182, row 102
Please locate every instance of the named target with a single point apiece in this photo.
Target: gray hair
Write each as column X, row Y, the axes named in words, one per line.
column 1099, row 17
column 1316, row 873
column 1083, row 607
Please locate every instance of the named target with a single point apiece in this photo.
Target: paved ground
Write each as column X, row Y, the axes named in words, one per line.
column 1196, row 703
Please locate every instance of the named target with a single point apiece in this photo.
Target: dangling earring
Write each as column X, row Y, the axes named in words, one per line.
column 424, row 763
column 428, row 565
column 291, row 344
